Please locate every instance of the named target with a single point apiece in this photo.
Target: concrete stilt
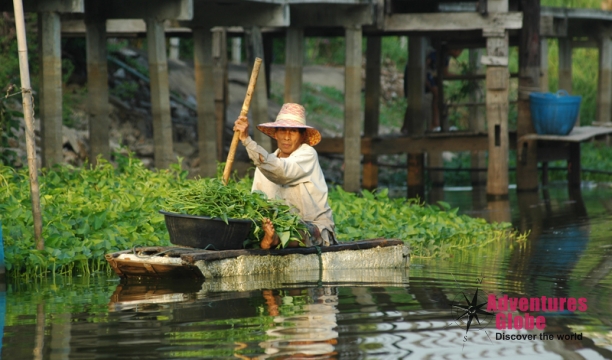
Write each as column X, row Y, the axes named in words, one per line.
column 259, row 103
column 220, row 80
column 352, row 109
column 160, row 94
column 565, row 64
column 477, row 123
column 97, row 88
column 205, row 92
column 544, row 65
column 604, row 88
column 51, row 88
column 294, row 62
column 372, row 108
column 497, row 79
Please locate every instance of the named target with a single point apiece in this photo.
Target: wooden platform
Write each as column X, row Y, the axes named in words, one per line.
column 562, row 147
column 181, row 262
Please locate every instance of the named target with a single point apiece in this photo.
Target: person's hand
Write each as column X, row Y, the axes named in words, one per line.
column 242, row 125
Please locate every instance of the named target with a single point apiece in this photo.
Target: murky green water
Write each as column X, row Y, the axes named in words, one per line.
column 392, row 314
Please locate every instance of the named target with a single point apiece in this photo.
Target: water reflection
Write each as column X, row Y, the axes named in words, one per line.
column 385, row 314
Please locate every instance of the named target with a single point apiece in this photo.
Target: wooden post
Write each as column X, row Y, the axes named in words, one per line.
column 441, row 53
column 219, row 50
column 415, row 120
column 372, row 108
column 205, row 92
column 28, row 115
column 604, row 88
column 477, row 122
column 352, row 109
column 97, row 90
column 573, row 165
column 259, row 104
column 416, row 177
column 294, row 62
column 565, row 64
column 544, row 65
column 529, row 81
column 51, row 88
column 160, row 94
column 497, row 79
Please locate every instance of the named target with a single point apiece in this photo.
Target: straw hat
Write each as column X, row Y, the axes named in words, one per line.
column 291, row 116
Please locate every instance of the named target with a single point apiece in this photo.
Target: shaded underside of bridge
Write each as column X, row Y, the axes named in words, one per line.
column 487, row 27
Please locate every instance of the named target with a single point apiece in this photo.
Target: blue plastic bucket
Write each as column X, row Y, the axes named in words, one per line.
column 554, row 114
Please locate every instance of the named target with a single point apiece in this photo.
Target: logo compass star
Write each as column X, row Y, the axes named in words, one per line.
column 471, row 310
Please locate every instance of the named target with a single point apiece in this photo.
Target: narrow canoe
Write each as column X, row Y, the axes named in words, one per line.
column 182, row 262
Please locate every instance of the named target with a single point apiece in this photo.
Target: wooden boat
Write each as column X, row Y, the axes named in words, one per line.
column 182, row 262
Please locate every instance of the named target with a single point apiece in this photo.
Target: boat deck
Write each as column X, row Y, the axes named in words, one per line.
column 198, row 263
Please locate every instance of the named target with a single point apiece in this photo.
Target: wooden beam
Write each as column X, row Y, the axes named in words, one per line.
column 246, row 13
column 160, row 94
column 338, row 15
column 604, row 87
column 352, row 109
column 529, row 81
column 259, row 103
column 565, row 64
column 477, row 121
column 497, row 118
column 97, row 85
column 372, row 107
column 51, row 88
column 418, row 112
column 205, row 93
column 294, row 63
column 452, row 21
column 220, row 79
column 401, row 145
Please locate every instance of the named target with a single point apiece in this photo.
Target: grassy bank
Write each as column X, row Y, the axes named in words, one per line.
column 88, row 212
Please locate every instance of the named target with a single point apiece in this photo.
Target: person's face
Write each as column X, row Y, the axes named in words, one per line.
column 288, row 140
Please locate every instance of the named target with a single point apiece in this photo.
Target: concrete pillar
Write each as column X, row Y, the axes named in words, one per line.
column 415, row 119
column 97, row 90
column 51, row 88
column 544, row 65
column 220, row 80
column 477, row 122
column 175, row 44
column 352, row 109
column 160, row 94
column 604, row 88
column 565, row 64
column 236, row 50
column 205, row 93
column 372, row 108
column 294, row 62
column 497, row 80
column 259, row 102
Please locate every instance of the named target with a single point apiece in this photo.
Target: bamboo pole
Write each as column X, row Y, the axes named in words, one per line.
column 243, row 112
column 28, row 112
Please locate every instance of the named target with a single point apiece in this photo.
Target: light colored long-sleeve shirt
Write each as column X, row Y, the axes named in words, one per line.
column 297, row 179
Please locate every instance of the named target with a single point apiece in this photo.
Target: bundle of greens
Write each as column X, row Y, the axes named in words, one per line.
column 209, row 197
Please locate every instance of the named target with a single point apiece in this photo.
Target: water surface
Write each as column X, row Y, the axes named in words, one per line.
column 387, row 314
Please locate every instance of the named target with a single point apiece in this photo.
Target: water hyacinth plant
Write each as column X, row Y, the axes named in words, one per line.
column 209, row 197
column 92, row 211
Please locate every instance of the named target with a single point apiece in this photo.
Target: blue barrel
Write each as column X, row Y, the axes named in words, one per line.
column 554, row 114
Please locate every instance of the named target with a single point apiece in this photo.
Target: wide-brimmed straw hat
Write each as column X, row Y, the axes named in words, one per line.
column 291, row 116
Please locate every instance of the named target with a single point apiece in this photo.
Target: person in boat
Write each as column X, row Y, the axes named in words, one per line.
column 291, row 173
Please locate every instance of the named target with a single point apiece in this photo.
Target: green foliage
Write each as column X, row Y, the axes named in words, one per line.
column 209, row 197
column 125, row 89
column 86, row 214
column 429, row 230
column 89, row 212
column 595, row 4
column 8, row 123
